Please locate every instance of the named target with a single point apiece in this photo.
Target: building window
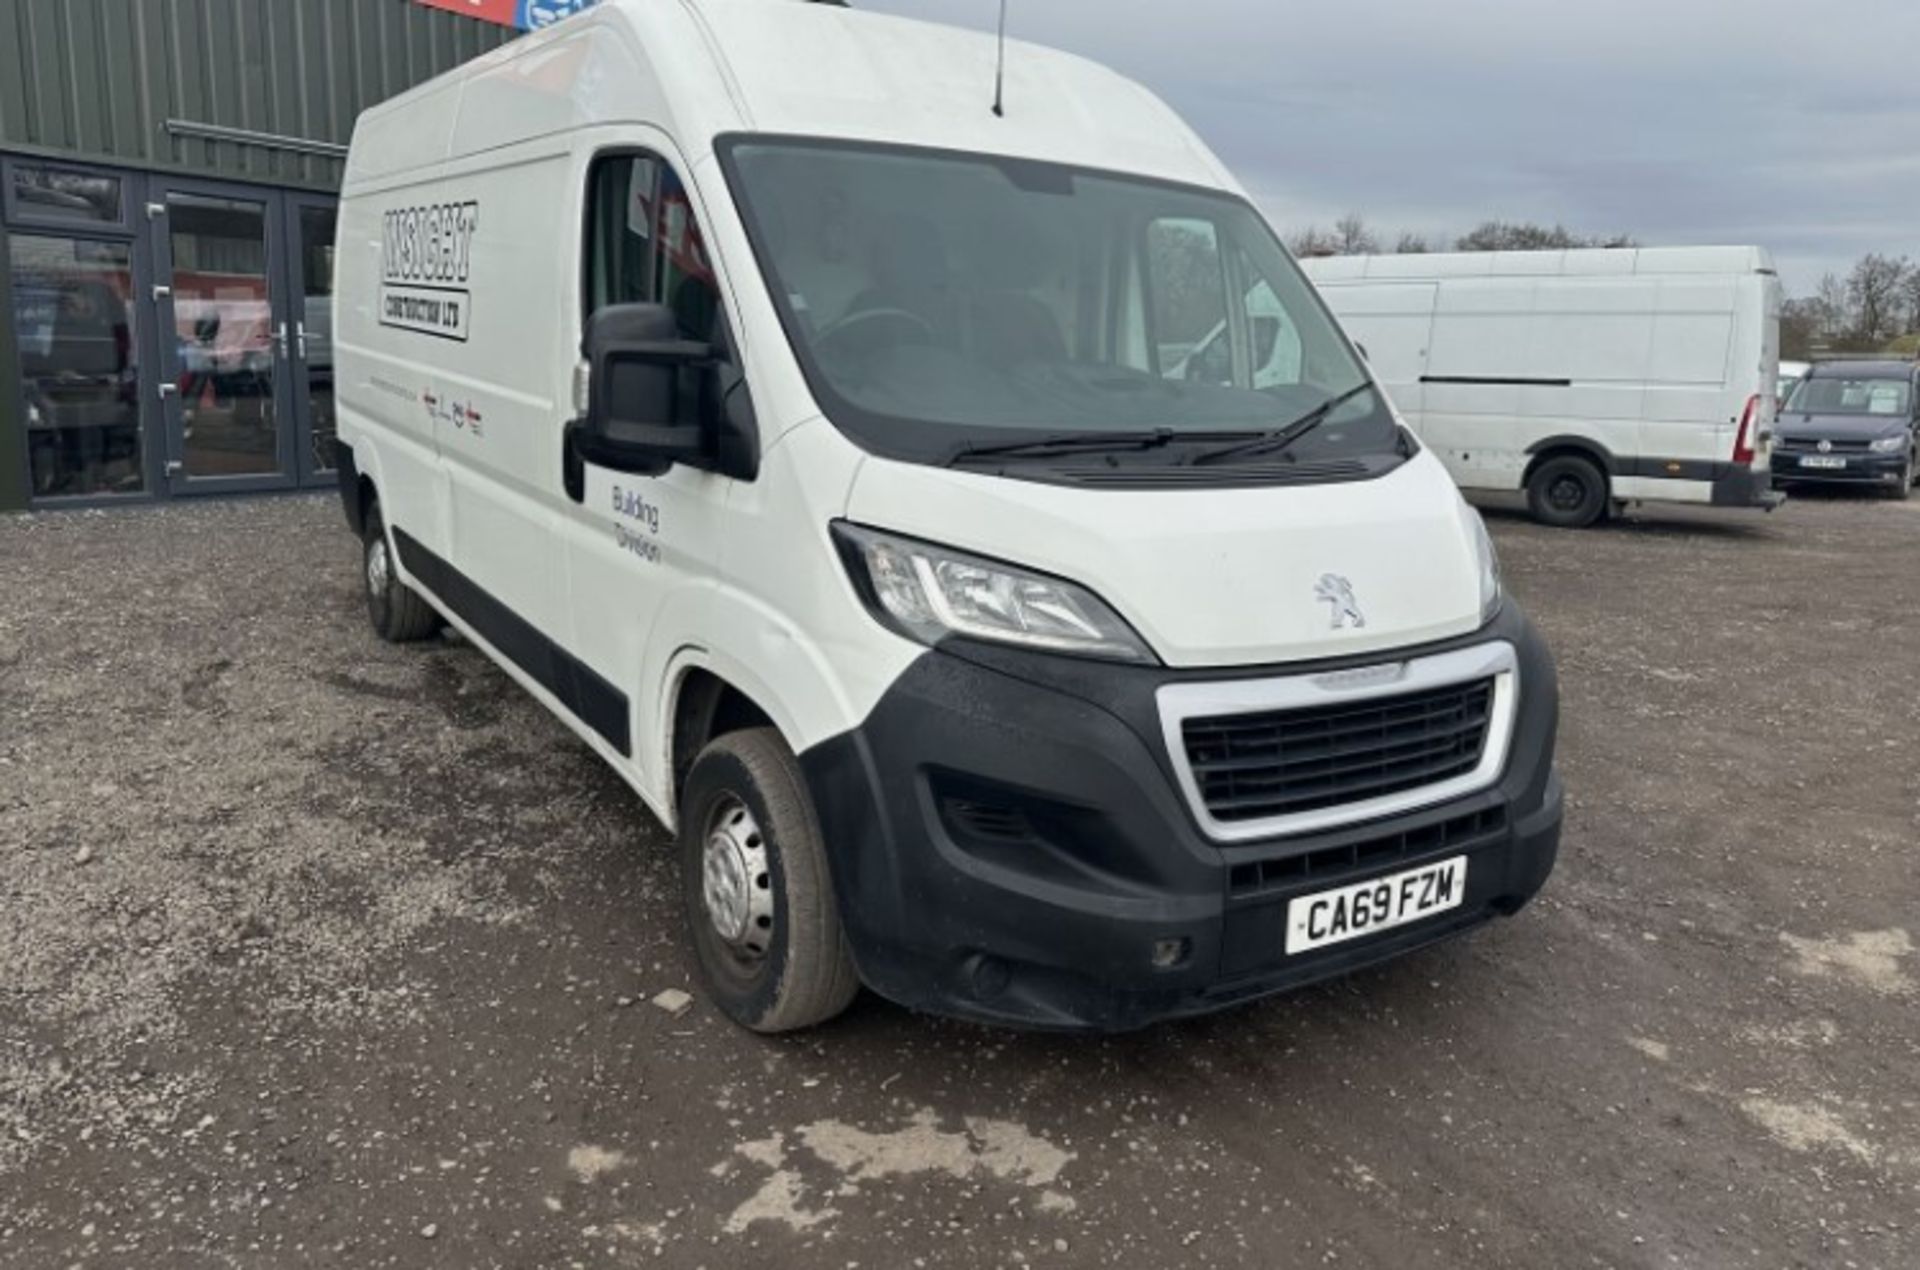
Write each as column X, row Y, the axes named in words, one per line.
column 43, row 192
column 73, row 321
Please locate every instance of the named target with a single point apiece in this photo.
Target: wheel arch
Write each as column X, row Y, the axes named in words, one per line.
column 706, row 694
column 705, row 706
column 1569, row 445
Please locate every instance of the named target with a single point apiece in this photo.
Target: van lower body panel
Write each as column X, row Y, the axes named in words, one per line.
column 1011, row 842
column 1707, row 483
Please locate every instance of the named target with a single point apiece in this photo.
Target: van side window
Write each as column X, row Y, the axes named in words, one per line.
column 1277, row 354
column 644, row 246
column 1187, row 298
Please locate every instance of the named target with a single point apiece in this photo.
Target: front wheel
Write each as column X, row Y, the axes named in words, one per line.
column 1904, row 490
column 1568, row 492
column 759, row 899
column 397, row 611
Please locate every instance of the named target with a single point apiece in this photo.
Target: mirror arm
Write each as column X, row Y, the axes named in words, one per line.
column 584, row 445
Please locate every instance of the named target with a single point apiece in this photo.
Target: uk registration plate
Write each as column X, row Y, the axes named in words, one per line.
column 1365, row 908
column 1821, row 460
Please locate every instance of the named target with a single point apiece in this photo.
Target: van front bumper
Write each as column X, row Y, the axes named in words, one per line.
column 1009, row 843
column 1856, row 468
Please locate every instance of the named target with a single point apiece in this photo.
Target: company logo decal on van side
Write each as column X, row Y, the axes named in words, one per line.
column 633, row 509
column 426, row 257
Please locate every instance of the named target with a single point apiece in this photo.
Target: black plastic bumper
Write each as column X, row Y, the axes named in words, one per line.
column 1860, row 469
column 1009, row 844
column 348, row 473
column 1741, row 486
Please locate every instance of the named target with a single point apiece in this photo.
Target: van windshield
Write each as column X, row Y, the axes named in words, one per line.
column 945, row 302
column 1845, row 395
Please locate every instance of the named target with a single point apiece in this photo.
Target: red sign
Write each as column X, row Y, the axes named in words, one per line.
column 505, row 12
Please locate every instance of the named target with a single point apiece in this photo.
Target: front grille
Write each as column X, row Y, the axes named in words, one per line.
column 995, row 821
column 1284, row 762
column 1330, row 864
column 1839, row 445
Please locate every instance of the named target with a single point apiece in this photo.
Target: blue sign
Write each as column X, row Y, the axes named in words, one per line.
column 528, row 15
column 537, row 14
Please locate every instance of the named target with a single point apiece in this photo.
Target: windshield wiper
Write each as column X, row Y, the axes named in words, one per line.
column 1281, row 438
column 1065, row 443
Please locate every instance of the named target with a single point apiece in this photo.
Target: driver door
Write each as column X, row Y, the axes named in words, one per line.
column 643, row 551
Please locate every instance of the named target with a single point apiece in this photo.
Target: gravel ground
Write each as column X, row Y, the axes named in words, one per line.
column 315, row 952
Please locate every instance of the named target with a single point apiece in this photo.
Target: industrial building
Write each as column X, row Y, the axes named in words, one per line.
column 167, row 179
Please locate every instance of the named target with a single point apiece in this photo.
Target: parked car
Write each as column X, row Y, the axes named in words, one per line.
column 1587, row 379
column 974, row 648
column 1853, row 422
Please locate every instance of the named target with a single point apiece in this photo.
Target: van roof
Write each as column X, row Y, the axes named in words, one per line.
column 702, row 68
column 1863, row 366
column 1578, row 263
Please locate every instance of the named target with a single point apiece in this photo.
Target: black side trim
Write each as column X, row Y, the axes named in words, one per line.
column 590, row 698
column 349, row 475
column 1496, row 380
column 1675, row 469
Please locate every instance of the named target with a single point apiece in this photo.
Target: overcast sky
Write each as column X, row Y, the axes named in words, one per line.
column 1790, row 125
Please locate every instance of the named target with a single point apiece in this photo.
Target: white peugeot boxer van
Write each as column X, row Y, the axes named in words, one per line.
column 807, row 436
column 1587, row 379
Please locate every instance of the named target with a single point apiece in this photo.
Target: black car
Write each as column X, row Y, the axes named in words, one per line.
column 1854, row 423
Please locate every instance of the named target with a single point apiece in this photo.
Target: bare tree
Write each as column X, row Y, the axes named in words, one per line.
column 1799, row 328
column 1833, row 308
column 1412, row 244
column 1354, row 238
column 1314, row 241
column 1876, row 290
column 1910, row 299
column 1497, row 235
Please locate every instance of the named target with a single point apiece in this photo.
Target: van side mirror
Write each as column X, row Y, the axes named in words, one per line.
column 651, row 397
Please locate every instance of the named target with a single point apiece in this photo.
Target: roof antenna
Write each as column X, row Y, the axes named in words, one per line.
column 1000, row 68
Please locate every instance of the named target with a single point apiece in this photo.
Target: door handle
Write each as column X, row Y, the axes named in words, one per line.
column 280, row 341
column 169, row 389
column 300, row 338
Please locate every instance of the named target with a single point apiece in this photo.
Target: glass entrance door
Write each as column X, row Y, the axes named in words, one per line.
column 243, row 307
column 224, row 340
column 310, row 228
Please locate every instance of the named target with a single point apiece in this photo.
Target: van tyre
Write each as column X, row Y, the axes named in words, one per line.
column 1568, row 492
column 759, row 897
column 398, row 613
column 1904, row 490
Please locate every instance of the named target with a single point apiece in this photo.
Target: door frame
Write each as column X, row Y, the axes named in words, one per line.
column 308, row 471
column 175, row 478
column 129, row 232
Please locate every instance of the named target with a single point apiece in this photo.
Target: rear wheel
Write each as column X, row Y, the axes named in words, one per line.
column 398, row 613
column 1567, row 491
column 765, row 925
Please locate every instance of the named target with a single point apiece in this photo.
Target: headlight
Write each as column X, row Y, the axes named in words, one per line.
column 927, row 593
column 1489, row 567
column 1895, row 444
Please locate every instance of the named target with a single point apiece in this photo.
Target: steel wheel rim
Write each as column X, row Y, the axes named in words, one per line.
column 736, row 882
column 1567, row 493
column 379, row 572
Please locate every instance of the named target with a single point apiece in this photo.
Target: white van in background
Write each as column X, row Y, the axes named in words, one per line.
column 813, row 440
column 1586, row 378
column 1791, row 373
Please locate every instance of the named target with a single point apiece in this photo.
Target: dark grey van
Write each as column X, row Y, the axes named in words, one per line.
column 1852, row 422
